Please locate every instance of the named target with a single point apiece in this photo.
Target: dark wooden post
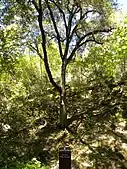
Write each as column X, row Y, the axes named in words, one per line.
column 65, row 158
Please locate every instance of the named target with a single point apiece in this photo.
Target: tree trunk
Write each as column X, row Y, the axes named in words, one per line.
column 63, row 112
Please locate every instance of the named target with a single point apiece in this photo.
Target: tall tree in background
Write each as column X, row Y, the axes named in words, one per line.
column 71, row 25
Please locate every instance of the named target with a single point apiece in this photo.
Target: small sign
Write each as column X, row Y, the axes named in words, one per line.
column 65, row 158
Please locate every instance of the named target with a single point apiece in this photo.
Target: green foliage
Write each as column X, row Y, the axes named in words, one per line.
column 109, row 59
column 23, row 100
column 27, row 101
column 9, row 47
column 33, row 164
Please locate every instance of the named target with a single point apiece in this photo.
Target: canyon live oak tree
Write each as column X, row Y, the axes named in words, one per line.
column 74, row 25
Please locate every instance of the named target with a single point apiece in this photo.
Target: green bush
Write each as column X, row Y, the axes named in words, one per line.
column 33, row 164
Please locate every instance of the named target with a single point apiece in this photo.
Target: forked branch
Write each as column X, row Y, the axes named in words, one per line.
column 81, row 41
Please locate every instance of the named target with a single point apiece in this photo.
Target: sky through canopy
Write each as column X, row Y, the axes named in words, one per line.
column 123, row 5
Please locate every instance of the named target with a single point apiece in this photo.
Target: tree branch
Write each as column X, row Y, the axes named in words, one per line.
column 37, row 50
column 68, row 33
column 35, row 5
column 96, row 116
column 62, row 12
column 82, row 16
column 80, row 43
column 55, row 27
column 39, row 10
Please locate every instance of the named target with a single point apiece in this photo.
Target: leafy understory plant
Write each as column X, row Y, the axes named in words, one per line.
column 33, row 164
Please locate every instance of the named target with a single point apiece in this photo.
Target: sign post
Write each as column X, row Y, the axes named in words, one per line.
column 64, row 158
